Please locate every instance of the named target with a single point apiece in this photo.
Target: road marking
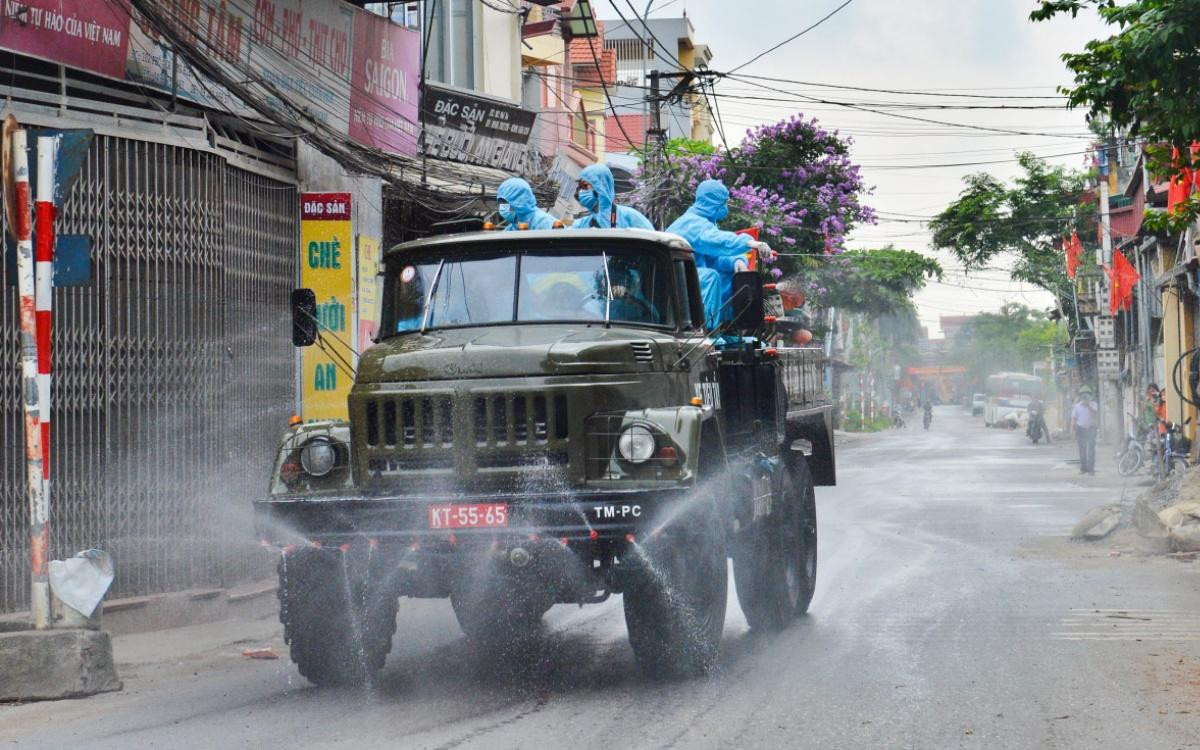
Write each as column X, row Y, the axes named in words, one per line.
column 1128, row 625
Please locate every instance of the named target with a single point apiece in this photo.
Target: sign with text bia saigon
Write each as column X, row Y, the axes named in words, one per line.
column 327, row 268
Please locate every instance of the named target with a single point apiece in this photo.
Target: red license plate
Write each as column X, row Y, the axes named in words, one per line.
column 468, row 516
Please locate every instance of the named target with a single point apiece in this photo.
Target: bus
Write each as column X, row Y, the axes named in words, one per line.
column 1008, row 397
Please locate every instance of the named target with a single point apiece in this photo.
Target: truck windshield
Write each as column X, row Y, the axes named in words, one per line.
column 526, row 287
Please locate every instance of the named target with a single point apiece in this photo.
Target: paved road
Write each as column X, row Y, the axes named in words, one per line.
column 950, row 613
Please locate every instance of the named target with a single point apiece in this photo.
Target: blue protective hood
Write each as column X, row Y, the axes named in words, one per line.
column 519, row 195
column 711, row 199
column 601, row 179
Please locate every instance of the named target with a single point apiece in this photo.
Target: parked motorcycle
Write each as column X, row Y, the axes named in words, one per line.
column 1173, row 450
column 1139, row 443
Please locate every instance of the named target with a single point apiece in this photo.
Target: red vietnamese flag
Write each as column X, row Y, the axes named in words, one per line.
column 752, row 255
column 1074, row 251
column 1122, row 276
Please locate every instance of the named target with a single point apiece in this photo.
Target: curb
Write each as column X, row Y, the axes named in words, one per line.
column 141, row 614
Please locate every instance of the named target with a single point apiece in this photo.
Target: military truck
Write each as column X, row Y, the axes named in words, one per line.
column 545, row 420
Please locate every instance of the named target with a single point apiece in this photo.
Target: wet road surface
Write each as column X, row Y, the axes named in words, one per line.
column 950, row 612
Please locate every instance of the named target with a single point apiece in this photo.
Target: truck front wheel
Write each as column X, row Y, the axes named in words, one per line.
column 675, row 611
column 775, row 561
column 337, row 620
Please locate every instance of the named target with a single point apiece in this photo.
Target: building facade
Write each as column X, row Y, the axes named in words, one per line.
column 174, row 373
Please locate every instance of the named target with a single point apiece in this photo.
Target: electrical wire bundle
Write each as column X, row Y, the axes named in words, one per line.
column 408, row 177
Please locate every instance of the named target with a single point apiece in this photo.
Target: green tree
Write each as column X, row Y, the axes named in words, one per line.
column 1011, row 339
column 1022, row 222
column 1144, row 79
column 689, row 147
column 876, row 283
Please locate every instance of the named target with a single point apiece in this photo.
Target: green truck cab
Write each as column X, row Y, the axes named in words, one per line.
column 543, row 419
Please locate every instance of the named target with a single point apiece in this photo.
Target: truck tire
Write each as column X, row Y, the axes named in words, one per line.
column 338, row 625
column 775, row 563
column 675, row 611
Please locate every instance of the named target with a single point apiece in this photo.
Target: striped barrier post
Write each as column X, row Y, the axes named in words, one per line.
column 39, row 591
column 43, row 250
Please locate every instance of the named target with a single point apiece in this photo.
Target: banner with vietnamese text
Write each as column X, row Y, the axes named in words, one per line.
column 327, row 267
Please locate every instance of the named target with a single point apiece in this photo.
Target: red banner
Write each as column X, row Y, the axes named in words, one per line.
column 88, row 34
column 383, row 84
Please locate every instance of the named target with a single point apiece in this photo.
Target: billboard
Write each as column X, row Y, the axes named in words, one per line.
column 465, row 127
column 299, row 51
column 91, row 35
column 354, row 71
column 327, row 267
column 384, row 84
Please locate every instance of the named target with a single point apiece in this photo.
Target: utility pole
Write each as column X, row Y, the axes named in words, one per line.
column 1110, row 410
column 654, row 141
column 656, row 135
column 646, row 52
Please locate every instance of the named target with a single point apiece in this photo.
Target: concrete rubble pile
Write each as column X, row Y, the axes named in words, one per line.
column 1166, row 516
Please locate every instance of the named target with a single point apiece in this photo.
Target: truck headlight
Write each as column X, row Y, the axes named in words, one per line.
column 636, row 444
column 318, row 456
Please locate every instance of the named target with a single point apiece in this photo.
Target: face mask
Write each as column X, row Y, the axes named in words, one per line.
column 588, row 199
column 721, row 213
column 506, row 212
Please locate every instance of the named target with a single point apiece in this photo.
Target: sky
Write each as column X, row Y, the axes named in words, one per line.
column 947, row 46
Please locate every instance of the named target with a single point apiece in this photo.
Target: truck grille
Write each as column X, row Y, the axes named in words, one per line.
column 425, row 421
column 504, row 419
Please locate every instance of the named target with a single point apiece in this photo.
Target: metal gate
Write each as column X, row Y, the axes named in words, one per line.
column 173, row 371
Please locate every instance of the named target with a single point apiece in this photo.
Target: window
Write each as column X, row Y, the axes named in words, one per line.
column 466, row 292
column 576, row 286
column 405, row 14
column 691, row 309
column 451, row 58
column 632, row 58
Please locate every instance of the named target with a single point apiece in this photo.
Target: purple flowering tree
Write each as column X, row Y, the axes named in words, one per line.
column 793, row 180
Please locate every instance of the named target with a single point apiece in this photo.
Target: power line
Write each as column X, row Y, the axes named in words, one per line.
column 792, row 38
column 909, row 117
column 910, row 92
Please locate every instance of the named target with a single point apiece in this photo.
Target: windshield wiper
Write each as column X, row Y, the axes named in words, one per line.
column 608, row 288
column 437, row 275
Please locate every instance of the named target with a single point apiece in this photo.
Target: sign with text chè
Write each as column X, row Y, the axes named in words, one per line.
column 327, row 267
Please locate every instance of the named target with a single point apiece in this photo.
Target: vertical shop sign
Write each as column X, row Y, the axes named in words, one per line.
column 327, row 267
column 368, row 291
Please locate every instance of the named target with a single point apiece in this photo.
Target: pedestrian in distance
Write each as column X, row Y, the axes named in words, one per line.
column 1155, row 411
column 597, row 193
column 517, row 205
column 1083, row 422
column 719, row 254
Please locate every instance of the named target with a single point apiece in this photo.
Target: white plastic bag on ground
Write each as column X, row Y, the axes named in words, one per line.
column 81, row 581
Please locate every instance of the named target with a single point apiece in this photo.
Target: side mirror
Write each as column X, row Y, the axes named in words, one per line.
column 304, row 317
column 746, row 301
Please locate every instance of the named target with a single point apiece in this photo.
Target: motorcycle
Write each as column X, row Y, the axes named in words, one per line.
column 1174, row 450
column 1139, row 443
column 1035, row 428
